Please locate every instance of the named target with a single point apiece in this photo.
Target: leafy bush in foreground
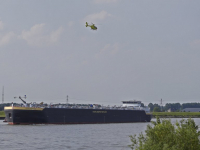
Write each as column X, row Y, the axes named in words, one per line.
column 163, row 135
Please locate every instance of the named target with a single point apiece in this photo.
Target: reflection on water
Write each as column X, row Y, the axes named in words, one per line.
column 72, row 137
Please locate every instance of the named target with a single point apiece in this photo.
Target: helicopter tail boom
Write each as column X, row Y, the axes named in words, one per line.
column 86, row 24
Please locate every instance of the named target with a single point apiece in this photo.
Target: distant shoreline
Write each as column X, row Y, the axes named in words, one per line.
column 176, row 114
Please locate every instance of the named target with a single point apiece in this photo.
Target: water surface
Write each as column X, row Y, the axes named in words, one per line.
column 72, row 137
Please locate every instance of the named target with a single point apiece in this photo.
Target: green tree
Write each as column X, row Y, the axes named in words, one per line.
column 163, row 135
column 156, row 109
column 152, row 106
column 173, row 106
column 3, row 105
column 190, row 105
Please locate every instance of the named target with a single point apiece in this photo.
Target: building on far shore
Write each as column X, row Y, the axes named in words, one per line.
column 191, row 110
column 169, row 110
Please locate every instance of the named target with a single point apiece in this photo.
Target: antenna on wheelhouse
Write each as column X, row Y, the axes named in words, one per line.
column 3, row 95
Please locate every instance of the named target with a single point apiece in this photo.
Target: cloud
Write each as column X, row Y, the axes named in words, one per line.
column 97, row 16
column 37, row 35
column 105, row 1
column 6, row 38
column 195, row 43
column 55, row 35
column 108, row 49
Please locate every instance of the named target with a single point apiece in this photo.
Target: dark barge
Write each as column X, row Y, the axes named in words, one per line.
column 63, row 114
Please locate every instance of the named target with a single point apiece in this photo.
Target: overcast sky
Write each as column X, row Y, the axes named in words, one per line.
column 142, row 50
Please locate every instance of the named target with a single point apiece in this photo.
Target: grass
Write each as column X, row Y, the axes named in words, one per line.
column 2, row 114
column 177, row 114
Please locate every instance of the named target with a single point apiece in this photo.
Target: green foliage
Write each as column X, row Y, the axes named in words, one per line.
column 173, row 106
column 152, row 106
column 2, row 114
column 156, row 109
column 190, row 105
column 163, row 135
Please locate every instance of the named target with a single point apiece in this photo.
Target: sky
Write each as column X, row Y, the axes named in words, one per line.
column 142, row 50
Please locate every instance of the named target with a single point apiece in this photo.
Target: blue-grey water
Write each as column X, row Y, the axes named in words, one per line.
column 72, row 137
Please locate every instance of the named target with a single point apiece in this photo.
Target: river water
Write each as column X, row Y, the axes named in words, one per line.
column 72, row 137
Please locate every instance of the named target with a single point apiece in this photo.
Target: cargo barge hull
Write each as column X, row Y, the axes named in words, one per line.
column 22, row 115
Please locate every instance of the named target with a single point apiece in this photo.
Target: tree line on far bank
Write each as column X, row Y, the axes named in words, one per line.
column 3, row 105
column 173, row 106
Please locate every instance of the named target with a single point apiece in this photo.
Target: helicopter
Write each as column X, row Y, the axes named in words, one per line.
column 92, row 26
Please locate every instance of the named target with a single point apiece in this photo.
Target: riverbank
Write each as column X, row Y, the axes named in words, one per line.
column 176, row 114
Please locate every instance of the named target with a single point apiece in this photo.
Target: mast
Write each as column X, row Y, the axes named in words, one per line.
column 3, row 95
column 161, row 104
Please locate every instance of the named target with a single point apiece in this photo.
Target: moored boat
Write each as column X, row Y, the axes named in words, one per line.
column 76, row 113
